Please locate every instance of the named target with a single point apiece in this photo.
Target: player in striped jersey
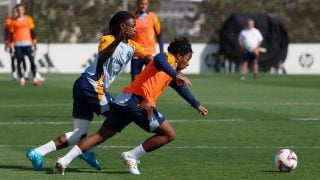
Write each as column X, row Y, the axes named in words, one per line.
column 90, row 91
column 137, row 104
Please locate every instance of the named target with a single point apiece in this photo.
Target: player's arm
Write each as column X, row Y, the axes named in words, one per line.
column 260, row 39
column 32, row 32
column 157, row 29
column 184, row 92
column 161, row 63
column 106, row 53
column 6, row 40
column 140, row 52
column 240, row 40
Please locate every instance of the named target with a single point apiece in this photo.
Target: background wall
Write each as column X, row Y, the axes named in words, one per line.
column 73, row 58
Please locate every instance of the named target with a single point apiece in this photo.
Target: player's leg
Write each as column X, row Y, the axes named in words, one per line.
column 36, row 155
column 20, row 58
column 13, row 66
column 244, row 66
column 255, row 65
column 113, row 124
column 83, row 115
column 154, row 122
column 30, row 54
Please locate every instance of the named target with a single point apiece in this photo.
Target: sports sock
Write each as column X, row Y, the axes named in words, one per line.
column 73, row 153
column 46, row 148
column 137, row 152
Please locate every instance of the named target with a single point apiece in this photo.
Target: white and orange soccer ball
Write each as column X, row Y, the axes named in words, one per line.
column 286, row 160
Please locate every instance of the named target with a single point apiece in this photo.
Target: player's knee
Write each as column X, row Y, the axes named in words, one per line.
column 171, row 135
column 75, row 136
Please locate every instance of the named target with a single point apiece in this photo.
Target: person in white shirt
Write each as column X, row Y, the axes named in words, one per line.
column 250, row 40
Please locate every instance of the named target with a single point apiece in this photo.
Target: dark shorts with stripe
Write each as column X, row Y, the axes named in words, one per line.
column 85, row 100
column 120, row 116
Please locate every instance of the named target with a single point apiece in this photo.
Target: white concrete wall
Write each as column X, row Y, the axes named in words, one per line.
column 73, row 58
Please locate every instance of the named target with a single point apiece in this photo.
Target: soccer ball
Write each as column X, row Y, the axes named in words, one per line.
column 286, row 160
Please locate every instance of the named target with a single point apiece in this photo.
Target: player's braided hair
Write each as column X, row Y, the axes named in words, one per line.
column 180, row 45
column 116, row 19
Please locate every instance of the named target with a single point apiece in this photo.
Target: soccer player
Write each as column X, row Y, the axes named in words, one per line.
column 9, row 44
column 90, row 94
column 137, row 104
column 148, row 30
column 25, row 43
column 250, row 40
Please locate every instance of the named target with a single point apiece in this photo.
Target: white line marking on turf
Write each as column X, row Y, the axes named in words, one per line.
column 171, row 102
column 206, row 120
column 306, row 119
column 100, row 122
column 254, row 103
column 187, row 147
column 33, row 105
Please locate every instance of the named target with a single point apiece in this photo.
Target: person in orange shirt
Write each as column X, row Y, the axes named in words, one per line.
column 136, row 104
column 148, row 30
column 25, row 43
column 8, row 42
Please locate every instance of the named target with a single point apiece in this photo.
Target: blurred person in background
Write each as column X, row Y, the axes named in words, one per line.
column 9, row 43
column 148, row 30
column 250, row 40
column 25, row 44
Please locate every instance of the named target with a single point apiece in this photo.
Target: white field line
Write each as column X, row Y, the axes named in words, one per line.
column 253, row 103
column 34, row 105
column 100, row 122
column 306, row 119
column 173, row 102
column 184, row 147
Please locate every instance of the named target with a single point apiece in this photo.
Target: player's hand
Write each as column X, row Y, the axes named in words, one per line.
column 257, row 52
column 202, row 110
column 181, row 79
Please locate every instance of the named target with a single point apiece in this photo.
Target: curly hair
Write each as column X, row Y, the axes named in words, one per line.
column 117, row 19
column 180, row 45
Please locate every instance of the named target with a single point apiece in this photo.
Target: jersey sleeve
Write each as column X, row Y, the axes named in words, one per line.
column 157, row 26
column 139, row 51
column 31, row 22
column 105, row 41
column 260, row 37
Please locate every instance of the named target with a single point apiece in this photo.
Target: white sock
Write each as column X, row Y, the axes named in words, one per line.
column 73, row 153
column 46, row 148
column 137, row 152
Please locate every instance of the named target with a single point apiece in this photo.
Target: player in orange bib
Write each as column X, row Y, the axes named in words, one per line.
column 25, row 43
column 9, row 43
column 148, row 33
column 137, row 103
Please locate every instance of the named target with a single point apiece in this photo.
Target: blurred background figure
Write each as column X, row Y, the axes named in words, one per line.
column 250, row 40
column 25, row 44
column 148, row 30
column 9, row 43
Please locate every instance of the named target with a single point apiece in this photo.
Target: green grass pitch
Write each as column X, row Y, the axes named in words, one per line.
column 248, row 122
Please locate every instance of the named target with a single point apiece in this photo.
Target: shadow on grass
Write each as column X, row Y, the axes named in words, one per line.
column 272, row 171
column 50, row 170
